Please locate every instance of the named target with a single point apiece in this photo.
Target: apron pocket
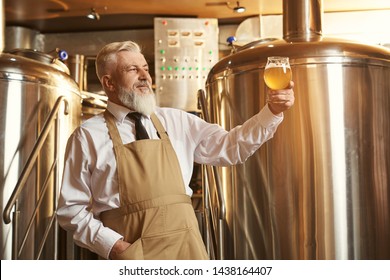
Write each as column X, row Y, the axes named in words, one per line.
column 174, row 245
column 133, row 252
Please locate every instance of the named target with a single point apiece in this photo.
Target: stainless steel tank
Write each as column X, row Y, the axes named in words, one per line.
column 31, row 85
column 320, row 189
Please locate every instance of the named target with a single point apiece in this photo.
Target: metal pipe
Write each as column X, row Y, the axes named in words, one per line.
column 2, row 20
column 302, row 20
column 45, row 236
column 37, row 206
column 15, row 234
column 212, row 173
column 221, row 203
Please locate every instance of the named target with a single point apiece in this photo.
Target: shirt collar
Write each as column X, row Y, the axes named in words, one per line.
column 118, row 111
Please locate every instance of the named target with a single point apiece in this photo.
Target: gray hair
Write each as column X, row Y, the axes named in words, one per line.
column 108, row 53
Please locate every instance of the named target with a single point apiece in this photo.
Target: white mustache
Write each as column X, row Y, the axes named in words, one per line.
column 142, row 84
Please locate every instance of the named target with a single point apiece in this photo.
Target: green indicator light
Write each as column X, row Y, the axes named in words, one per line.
column 169, row 68
column 183, row 68
column 197, row 68
column 190, row 68
column 176, row 68
column 210, row 52
column 162, row 51
column 162, row 68
column 204, row 68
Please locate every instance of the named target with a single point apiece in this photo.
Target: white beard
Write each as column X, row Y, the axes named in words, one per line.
column 144, row 103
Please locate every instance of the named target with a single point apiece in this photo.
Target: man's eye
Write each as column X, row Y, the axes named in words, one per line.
column 133, row 69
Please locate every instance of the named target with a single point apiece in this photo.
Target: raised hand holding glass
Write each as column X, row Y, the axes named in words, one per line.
column 277, row 72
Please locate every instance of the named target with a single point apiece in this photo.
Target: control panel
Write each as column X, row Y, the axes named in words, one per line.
column 185, row 51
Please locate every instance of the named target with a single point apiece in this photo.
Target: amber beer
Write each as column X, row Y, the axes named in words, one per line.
column 277, row 73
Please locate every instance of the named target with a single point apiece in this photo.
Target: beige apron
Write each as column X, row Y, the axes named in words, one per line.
column 155, row 215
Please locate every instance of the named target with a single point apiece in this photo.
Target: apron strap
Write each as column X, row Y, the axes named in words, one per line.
column 159, row 127
column 114, row 133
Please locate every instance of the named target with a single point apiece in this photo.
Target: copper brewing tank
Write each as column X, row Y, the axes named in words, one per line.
column 320, row 189
column 32, row 84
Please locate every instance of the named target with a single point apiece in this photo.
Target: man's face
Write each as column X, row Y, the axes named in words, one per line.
column 132, row 72
column 133, row 83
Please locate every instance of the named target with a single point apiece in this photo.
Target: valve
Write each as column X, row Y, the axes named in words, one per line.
column 231, row 40
column 61, row 55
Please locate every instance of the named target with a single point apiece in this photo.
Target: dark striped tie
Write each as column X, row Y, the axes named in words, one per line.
column 140, row 131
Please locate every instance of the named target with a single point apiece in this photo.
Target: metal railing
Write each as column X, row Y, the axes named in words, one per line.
column 215, row 215
column 13, row 201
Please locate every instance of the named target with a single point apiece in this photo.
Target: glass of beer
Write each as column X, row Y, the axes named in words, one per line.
column 277, row 72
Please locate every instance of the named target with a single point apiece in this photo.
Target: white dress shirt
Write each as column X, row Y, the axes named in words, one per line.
column 89, row 180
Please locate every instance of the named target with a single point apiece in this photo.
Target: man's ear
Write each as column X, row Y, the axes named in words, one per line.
column 107, row 83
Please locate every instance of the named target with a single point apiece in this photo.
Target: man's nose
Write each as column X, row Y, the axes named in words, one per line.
column 142, row 74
